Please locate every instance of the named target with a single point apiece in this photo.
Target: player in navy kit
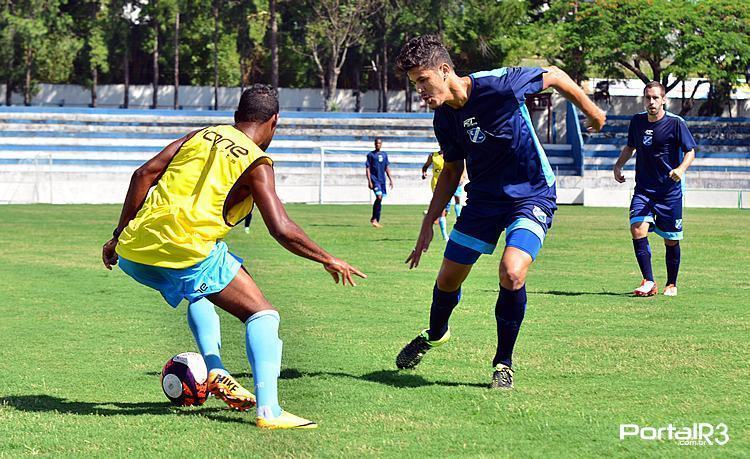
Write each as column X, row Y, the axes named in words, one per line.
column 376, row 169
column 482, row 118
column 664, row 150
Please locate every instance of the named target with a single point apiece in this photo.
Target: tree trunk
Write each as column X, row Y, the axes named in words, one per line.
column 380, row 82
column 126, row 71
column 357, row 83
column 216, row 54
column 155, row 84
column 274, row 44
column 385, row 77
column 94, row 81
column 176, row 103
column 27, row 80
column 332, row 77
column 407, row 95
column 11, row 67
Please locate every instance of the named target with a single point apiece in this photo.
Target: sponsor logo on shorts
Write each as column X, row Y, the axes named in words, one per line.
column 539, row 214
column 678, row 224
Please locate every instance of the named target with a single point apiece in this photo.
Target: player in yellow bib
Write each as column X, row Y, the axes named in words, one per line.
column 437, row 161
column 172, row 240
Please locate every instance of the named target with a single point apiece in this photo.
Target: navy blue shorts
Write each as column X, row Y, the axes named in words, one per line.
column 478, row 228
column 379, row 189
column 663, row 215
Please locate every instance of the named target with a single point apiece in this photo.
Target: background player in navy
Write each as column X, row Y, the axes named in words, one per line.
column 376, row 168
column 660, row 139
column 482, row 118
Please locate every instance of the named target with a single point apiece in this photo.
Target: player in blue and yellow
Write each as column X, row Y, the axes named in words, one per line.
column 437, row 161
column 482, row 119
column 664, row 150
column 172, row 241
column 376, row 169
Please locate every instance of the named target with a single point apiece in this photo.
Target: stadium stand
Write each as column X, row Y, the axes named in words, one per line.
column 46, row 151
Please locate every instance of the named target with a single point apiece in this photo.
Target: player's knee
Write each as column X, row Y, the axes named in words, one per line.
column 670, row 243
column 638, row 230
column 512, row 276
column 447, row 283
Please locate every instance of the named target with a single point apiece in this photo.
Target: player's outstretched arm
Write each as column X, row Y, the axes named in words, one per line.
column 263, row 189
column 561, row 81
column 446, row 185
column 141, row 181
column 625, row 155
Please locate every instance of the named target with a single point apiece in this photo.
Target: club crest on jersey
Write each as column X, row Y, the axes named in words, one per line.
column 539, row 214
column 380, row 158
column 648, row 137
column 678, row 224
column 476, row 135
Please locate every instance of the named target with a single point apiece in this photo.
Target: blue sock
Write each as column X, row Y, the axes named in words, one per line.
column 443, row 304
column 443, row 230
column 206, row 328
column 264, row 354
column 509, row 312
column 643, row 255
column 673, row 263
column 457, row 208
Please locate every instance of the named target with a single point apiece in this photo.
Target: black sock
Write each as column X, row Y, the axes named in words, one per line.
column 673, row 263
column 643, row 255
column 509, row 312
column 376, row 206
column 443, row 304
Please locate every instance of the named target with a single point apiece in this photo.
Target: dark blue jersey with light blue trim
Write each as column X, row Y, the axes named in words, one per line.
column 494, row 134
column 377, row 161
column 659, row 147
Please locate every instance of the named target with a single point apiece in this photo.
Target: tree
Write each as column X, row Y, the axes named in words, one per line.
column 336, row 26
column 91, row 22
column 44, row 41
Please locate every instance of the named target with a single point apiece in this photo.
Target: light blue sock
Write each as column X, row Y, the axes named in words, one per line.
column 264, row 354
column 206, row 328
column 457, row 208
column 443, row 230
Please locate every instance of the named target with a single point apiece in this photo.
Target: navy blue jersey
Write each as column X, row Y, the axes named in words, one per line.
column 377, row 161
column 659, row 148
column 493, row 132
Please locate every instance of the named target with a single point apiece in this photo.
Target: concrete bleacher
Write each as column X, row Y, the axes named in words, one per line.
column 87, row 155
column 721, row 170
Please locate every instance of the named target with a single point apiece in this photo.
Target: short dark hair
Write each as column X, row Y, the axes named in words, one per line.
column 425, row 51
column 655, row 84
column 258, row 103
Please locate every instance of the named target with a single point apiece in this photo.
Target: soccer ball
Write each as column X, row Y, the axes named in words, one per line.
column 183, row 379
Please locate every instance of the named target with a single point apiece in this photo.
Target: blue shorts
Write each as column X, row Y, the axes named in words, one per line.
column 478, row 228
column 663, row 215
column 209, row 276
column 379, row 189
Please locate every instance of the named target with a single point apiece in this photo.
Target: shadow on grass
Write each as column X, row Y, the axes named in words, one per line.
column 565, row 293
column 393, row 378
column 47, row 403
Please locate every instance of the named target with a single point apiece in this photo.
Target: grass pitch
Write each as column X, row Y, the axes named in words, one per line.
column 81, row 348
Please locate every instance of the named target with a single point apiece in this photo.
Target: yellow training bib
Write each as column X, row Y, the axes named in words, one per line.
column 183, row 217
column 437, row 167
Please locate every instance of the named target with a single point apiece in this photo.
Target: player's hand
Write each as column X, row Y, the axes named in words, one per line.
column 676, row 174
column 369, row 185
column 423, row 243
column 424, row 175
column 619, row 177
column 339, row 269
column 109, row 256
column 596, row 122
column 391, row 184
